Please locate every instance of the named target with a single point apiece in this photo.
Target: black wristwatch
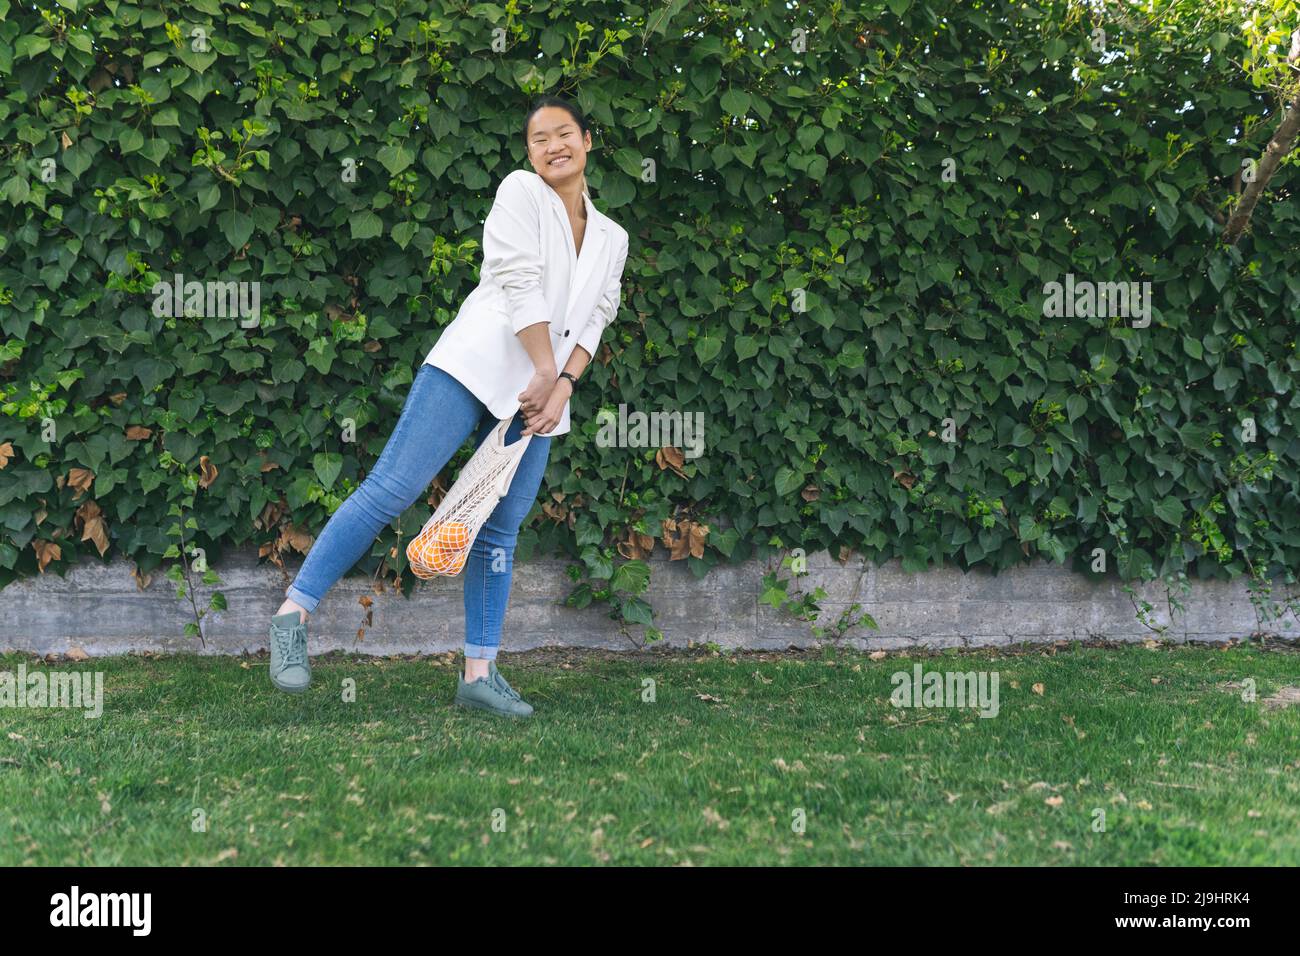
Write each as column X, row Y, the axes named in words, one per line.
column 573, row 382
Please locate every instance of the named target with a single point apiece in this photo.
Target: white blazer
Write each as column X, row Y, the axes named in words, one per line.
column 530, row 274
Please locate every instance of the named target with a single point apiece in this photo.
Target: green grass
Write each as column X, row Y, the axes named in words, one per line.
column 1185, row 770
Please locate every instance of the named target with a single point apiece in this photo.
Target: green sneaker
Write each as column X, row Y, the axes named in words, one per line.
column 290, row 669
column 492, row 693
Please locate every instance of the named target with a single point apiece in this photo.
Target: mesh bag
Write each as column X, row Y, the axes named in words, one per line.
column 442, row 546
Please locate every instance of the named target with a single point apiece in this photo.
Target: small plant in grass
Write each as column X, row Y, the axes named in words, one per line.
column 182, row 573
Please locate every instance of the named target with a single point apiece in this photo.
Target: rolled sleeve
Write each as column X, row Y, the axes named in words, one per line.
column 607, row 307
column 512, row 252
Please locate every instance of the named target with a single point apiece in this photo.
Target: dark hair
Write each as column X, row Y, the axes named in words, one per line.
column 546, row 101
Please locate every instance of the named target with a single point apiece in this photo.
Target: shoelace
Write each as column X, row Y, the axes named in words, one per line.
column 510, row 691
column 291, row 651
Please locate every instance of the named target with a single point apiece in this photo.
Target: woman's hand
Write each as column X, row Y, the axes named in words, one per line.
column 548, row 417
column 538, row 392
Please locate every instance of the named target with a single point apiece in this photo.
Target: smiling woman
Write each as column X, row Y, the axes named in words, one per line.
column 548, row 288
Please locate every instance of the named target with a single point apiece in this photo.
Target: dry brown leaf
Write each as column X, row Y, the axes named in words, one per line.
column 272, row 511
column 698, row 534
column 297, row 538
column 207, row 471
column 46, row 551
column 93, row 526
column 141, row 580
column 682, row 539
column 66, row 140
column 6, row 453
column 138, row 433
column 1038, row 689
column 635, row 545
column 81, row 479
column 671, row 457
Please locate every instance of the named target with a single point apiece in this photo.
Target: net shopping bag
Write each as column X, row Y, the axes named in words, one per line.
column 442, row 546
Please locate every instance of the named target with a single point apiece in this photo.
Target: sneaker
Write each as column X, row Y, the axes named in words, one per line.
column 486, row 693
column 290, row 669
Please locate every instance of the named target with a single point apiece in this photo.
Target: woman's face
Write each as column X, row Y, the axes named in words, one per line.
column 557, row 147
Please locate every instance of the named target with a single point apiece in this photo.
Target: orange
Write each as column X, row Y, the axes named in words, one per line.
column 441, row 549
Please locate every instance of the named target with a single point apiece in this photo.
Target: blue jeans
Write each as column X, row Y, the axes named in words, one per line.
column 439, row 414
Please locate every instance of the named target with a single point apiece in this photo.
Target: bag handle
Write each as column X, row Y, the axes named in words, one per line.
column 515, row 451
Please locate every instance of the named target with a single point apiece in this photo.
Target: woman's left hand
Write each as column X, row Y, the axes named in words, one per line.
column 548, row 417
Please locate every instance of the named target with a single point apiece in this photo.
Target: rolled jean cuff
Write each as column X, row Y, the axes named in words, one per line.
column 306, row 601
column 481, row 652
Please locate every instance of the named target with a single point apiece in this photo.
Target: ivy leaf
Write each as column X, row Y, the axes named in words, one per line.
column 631, row 577
column 129, row 140
column 746, row 346
column 76, row 160
column 1171, row 510
column 327, row 465
column 637, row 611
column 707, row 347
column 395, row 158
column 774, row 591
column 236, row 227
column 208, row 197
column 403, row 232
column 599, row 565
column 735, row 102
column 788, row 481
column 366, row 225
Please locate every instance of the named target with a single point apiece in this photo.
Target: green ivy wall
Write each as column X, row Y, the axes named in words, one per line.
column 842, row 219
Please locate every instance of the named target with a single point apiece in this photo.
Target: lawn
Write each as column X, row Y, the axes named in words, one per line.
column 197, row 760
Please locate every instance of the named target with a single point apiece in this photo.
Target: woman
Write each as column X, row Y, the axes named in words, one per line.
column 548, row 287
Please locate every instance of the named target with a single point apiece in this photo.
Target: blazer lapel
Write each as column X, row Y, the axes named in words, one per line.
column 580, row 263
